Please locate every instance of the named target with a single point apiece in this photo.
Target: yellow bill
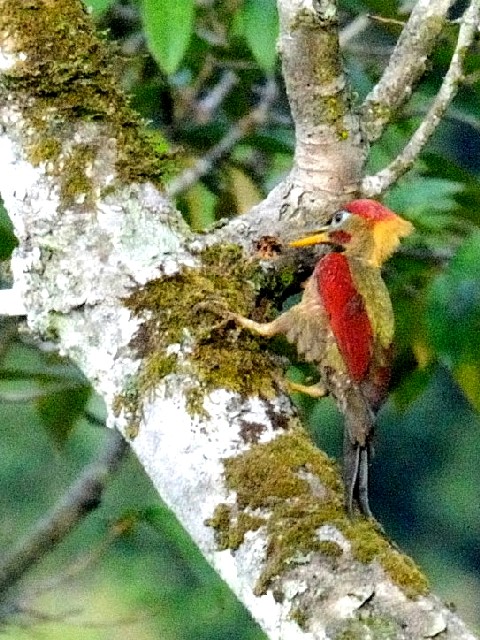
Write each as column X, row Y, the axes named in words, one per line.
column 315, row 238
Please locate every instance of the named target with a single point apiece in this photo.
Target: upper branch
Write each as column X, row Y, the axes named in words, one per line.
column 329, row 150
column 377, row 184
column 406, row 65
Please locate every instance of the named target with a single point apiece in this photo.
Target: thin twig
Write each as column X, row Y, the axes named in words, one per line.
column 207, row 106
column 382, row 20
column 36, row 617
column 242, row 128
column 82, row 497
column 93, row 419
column 33, row 394
column 454, row 115
column 377, row 184
column 75, row 568
column 352, row 30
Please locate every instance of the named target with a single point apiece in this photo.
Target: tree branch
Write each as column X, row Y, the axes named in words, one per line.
column 206, row 107
column 406, row 66
column 11, row 303
column 329, row 149
column 377, row 184
column 79, row 500
column 106, row 265
column 256, row 118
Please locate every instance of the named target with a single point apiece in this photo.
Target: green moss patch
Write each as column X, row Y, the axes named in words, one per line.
column 67, row 74
column 369, row 543
column 277, row 476
column 300, row 487
column 229, row 529
column 188, row 307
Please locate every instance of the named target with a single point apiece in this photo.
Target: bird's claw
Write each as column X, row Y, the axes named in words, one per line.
column 316, row 390
column 217, row 308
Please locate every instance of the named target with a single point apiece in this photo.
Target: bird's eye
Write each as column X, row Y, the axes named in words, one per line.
column 339, row 218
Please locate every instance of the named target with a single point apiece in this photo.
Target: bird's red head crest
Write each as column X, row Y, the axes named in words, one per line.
column 365, row 228
column 370, row 210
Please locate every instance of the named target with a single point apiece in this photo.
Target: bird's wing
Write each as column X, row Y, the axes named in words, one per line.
column 346, row 312
column 368, row 282
column 308, row 326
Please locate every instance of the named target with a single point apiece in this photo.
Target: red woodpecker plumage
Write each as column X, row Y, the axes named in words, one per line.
column 344, row 324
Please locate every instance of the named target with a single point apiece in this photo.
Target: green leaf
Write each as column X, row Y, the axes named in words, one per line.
column 260, row 21
column 98, row 6
column 168, row 27
column 59, row 411
column 198, row 207
column 453, row 316
column 413, row 196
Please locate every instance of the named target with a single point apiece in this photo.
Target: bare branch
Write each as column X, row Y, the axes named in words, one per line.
column 353, row 29
column 407, row 64
column 206, row 107
column 256, row 118
column 381, row 20
column 76, row 567
column 82, row 497
column 377, row 184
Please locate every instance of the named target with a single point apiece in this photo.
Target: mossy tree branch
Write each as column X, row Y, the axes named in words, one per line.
column 106, row 267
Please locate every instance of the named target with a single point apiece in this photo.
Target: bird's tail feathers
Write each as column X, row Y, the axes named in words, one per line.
column 358, row 451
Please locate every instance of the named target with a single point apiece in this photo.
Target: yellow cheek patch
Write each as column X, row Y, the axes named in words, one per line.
column 386, row 238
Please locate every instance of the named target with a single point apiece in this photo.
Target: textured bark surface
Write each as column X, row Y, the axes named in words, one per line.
column 80, row 256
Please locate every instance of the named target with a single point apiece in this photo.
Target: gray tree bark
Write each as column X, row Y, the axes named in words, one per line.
column 94, row 231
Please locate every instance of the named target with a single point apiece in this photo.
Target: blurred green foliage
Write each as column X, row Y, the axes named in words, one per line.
column 159, row 21
column 129, row 570
column 260, row 29
column 193, row 70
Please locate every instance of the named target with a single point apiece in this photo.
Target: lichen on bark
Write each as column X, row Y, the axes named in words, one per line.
column 187, row 310
column 296, row 489
column 56, row 87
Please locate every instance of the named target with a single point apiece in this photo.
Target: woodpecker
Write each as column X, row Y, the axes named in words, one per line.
column 344, row 325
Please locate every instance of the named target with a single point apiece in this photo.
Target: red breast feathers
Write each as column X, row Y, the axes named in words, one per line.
column 346, row 312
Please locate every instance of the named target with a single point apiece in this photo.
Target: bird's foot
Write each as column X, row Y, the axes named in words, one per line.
column 317, row 390
column 216, row 307
column 265, row 329
column 220, row 309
